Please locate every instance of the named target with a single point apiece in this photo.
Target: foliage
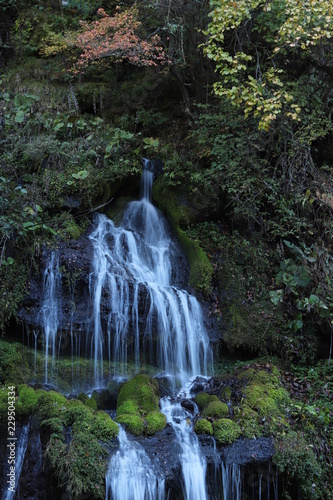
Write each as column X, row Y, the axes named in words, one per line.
column 114, row 38
column 247, row 44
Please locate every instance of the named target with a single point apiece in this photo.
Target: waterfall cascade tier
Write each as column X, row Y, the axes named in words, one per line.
column 21, row 448
column 132, row 266
column 130, row 474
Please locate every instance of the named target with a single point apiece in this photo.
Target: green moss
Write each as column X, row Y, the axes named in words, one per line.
column 27, row 400
column 50, row 404
column 268, row 400
column 138, row 398
column 226, row 431
column 248, row 420
column 295, row 456
column 181, row 215
column 142, row 391
column 3, row 403
column 215, row 409
column 76, row 411
column 129, row 407
column 202, row 426
column 225, row 394
column 91, row 403
column 133, row 423
column 202, row 398
column 70, row 228
column 103, row 427
column 53, row 426
column 85, row 467
column 155, row 422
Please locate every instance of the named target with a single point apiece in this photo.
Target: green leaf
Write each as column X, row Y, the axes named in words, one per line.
column 83, row 174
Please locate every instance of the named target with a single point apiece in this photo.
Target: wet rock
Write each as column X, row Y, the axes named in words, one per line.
column 188, row 405
column 104, row 399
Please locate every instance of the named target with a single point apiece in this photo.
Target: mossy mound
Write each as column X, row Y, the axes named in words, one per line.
column 103, row 427
column 155, row 421
column 27, row 400
column 215, row 409
column 225, row 394
column 226, row 431
column 202, row 399
column 203, row 426
column 248, row 420
column 142, row 391
column 50, row 404
column 91, row 403
column 264, row 394
column 137, row 406
column 133, row 423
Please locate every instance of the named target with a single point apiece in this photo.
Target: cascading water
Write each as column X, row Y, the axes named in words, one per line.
column 192, row 462
column 50, row 312
column 130, row 475
column 132, row 263
column 21, row 448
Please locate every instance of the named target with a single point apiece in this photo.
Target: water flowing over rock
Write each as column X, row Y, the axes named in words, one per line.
column 20, row 450
column 130, row 475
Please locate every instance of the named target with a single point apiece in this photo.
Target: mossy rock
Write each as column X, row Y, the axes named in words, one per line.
column 128, row 407
column 50, row 404
column 86, row 400
column 27, row 400
column 263, row 377
column 103, row 398
column 215, row 409
column 133, row 423
column 155, row 422
column 202, row 399
column 53, row 426
column 103, row 427
column 203, row 426
column 248, row 420
column 76, row 411
column 3, row 404
column 266, row 399
column 226, row 431
column 225, row 394
column 141, row 390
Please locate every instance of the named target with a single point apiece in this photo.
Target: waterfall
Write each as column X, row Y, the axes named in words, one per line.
column 192, row 462
column 21, row 448
column 130, row 475
column 132, row 271
column 50, row 311
column 231, row 478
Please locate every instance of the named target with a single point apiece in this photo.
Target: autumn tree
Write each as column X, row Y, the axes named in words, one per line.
column 254, row 43
column 115, row 38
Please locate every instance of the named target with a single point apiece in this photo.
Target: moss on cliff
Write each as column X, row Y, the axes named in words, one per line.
column 137, row 406
column 178, row 211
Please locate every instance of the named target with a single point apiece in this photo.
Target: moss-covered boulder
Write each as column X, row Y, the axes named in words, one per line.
column 226, row 431
column 202, row 399
column 215, row 409
column 50, row 404
column 134, row 423
column 155, row 421
column 137, row 405
column 203, row 426
column 248, row 420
